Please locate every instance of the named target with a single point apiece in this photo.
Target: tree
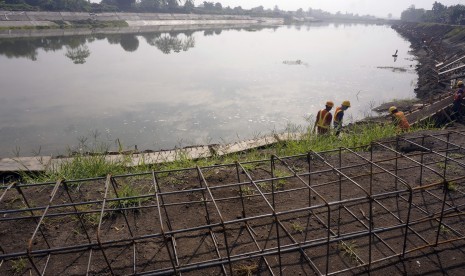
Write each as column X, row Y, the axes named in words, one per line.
column 412, row 14
column 150, row 5
column 189, row 5
column 208, row 5
column 172, row 4
column 259, row 9
column 438, row 8
column 456, row 15
column 125, row 4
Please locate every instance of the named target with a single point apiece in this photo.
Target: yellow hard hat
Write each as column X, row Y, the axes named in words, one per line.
column 330, row 103
column 392, row 108
column 460, row 83
column 346, row 103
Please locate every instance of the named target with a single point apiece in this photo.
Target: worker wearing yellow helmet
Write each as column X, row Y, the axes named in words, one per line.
column 323, row 119
column 339, row 115
column 399, row 119
column 458, row 99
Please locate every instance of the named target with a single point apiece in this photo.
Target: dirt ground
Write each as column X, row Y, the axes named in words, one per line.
column 226, row 219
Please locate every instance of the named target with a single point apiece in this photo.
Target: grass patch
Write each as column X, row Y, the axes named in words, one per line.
column 349, row 249
column 18, row 266
column 91, row 162
column 297, row 227
column 79, row 24
column 126, row 193
column 451, row 186
column 247, row 191
column 90, row 23
column 79, row 167
column 455, row 32
column 246, row 270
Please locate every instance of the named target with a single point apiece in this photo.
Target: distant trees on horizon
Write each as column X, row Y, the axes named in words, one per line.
column 168, row 6
column 454, row 15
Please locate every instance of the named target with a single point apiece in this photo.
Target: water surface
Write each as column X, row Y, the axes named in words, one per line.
column 163, row 90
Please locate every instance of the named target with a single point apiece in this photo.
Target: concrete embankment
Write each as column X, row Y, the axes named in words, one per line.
column 49, row 19
column 43, row 163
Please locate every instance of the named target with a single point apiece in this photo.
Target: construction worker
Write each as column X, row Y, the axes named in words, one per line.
column 458, row 99
column 339, row 115
column 323, row 119
column 399, row 119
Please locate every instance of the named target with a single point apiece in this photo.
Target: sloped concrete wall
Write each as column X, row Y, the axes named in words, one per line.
column 15, row 18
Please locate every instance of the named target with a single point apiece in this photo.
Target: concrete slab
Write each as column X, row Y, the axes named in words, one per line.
column 179, row 16
column 145, row 158
column 35, row 164
column 17, row 17
column 149, row 16
column 106, row 16
column 44, row 16
column 75, row 16
column 244, row 145
column 170, row 156
column 82, row 31
column 165, row 16
column 289, row 136
column 47, row 163
column 129, row 16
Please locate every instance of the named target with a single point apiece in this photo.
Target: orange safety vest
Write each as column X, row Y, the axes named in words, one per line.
column 401, row 121
column 322, row 117
column 336, row 120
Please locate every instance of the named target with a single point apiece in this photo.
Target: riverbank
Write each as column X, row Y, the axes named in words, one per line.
column 52, row 20
column 433, row 44
column 151, row 157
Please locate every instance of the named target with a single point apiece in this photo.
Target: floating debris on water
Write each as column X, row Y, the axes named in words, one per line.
column 394, row 69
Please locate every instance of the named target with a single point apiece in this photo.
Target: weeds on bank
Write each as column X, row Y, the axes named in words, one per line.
column 18, row 266
column 246, row 270
column 359, row 135
column 246, row 191
column 349, row 249
column 444, row 230
column 297, row 227
column 451, row 186
column 128, row 197
column 92, row 161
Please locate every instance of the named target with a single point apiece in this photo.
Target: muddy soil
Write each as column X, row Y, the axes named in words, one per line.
column 230, row 213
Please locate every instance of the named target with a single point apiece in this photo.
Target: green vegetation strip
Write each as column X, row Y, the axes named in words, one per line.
column 60, row 24
column 83, row 166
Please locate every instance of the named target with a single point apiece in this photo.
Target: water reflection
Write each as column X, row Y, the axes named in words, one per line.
column 78, row 54
column 190, row 87
column 170, row 42
column 78, row 51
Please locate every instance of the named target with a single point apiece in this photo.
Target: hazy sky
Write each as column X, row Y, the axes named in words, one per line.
column 380, row 8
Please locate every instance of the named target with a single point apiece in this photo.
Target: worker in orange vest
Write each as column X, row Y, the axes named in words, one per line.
column 339, row 115
column 458, row 99
column 399, row 119
column 323, row 119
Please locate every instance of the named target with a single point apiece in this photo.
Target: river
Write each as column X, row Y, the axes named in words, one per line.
column 164, row 90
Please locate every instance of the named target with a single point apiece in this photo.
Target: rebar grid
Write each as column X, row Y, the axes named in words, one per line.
column 322, row 212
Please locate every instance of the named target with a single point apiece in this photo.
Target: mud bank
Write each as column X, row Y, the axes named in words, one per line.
column 432, row 44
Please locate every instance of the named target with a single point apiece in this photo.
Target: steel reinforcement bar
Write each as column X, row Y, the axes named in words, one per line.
column 321, row 212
